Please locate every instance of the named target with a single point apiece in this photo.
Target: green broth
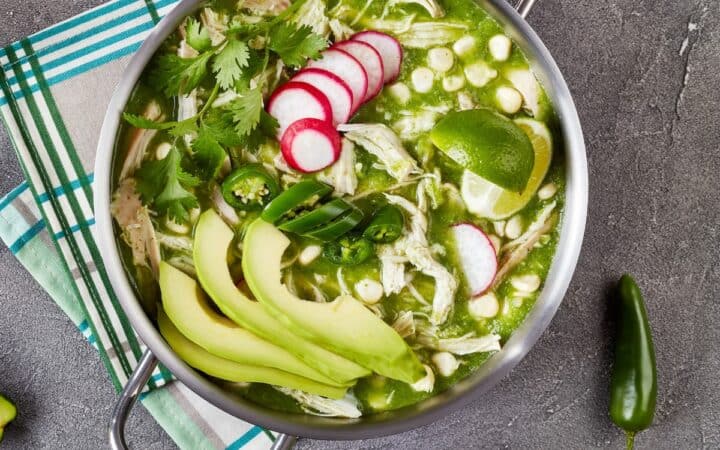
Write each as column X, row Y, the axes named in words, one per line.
column 376, row 393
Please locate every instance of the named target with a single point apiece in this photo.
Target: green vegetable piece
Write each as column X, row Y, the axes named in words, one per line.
column 316, row 217
column 197, row 36
column 8, row 412
column 249, row 187
column 306, row 192
column 386, row 226
column 295, row 45
column 337, row 227
column 225, row 369
column 174, row 75
column 229, row 63
column 348, row 250
column 208, row 155
column 164, row 184
column 633, row 389
column 309, row 220
column 192, row 312
column 344, row 326
column 488, row 144
column 213, row 239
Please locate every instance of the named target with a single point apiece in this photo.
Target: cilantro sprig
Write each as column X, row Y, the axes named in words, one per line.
column 164, row 184
column 243, row 56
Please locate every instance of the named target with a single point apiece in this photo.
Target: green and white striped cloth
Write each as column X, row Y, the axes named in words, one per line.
column 54, row 88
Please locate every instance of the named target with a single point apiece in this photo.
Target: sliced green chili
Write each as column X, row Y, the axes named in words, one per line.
column 349, row 250
column 337, row 227
column 386, row 226
column 633, row 389
column 249, row 187
column 317, row 217
column 304, row 193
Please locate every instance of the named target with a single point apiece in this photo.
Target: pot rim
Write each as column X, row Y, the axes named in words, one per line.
column 462, row 393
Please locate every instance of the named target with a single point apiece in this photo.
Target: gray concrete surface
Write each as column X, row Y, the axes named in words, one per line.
column 645, row 77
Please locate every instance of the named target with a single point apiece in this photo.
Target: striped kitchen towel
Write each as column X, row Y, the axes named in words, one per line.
column 54, row 88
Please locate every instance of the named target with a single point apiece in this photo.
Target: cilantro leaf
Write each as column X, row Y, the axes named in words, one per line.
column 266, row 128
column 197, row 36
column 143, row 122
column 174, row 128
column 178, row 75
column 246, row 111
column 184, row 127
column 218, row 124
column 295, row 44
column 160, row 183
column 229, row 62
column 208, row 155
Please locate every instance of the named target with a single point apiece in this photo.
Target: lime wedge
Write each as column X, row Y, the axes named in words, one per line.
column 486, row 199
column 487, row 144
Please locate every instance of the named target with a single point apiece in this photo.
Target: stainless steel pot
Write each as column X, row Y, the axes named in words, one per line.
column 466, row 391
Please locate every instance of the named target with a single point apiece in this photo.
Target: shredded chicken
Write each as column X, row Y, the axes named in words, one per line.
column 215, row 23
column 136, row 228
column 321, row 406
column 420, row 34
column 184, row 263
column 312, row 14
column 382, row 142
column 339, row 30
column 524, row 81
column 141, row 138
column 414, row 246
column 266, row 7
column 432, row 6
column 180, row 243
column 514, row 257
column 463, row 345
column 187, row 103
column 404, row 324
column 225, row 211
column 538, row 223
column 392, row 269
column 429, row 191
column 415, row 124
column 341, row 175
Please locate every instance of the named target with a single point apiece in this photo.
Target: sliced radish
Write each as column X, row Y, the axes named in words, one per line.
column 389, row 49
column 309, row 145
column 371, row 62
column 477, row 256
column 348, row 68
column 335, row 89
column 294, row 101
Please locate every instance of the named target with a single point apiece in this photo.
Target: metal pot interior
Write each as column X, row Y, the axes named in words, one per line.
column 464, row 392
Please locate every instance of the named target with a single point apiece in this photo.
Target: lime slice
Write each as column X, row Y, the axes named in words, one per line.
column 493, row 202
column 487, row 144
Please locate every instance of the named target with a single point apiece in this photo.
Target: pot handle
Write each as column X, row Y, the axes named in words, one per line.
column 523, row 7
column 284, row 442
column 127, row 399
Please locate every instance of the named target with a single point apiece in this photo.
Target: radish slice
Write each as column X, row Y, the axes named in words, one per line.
column 477, row 256
column 389, row 49
column 335, row 89
column 294, row 101
column 348, row 68
column 371, row 62
column 309, row 145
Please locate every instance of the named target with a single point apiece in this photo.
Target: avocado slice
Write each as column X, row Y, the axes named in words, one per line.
column 225, row 369
column 212, row 240
column 8, row 412
column 188, row 308
column 344, row 325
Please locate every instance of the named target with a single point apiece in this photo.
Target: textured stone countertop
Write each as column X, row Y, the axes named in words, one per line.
column 645, row 76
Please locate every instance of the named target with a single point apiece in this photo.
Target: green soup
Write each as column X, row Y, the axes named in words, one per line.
column 470, row 66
